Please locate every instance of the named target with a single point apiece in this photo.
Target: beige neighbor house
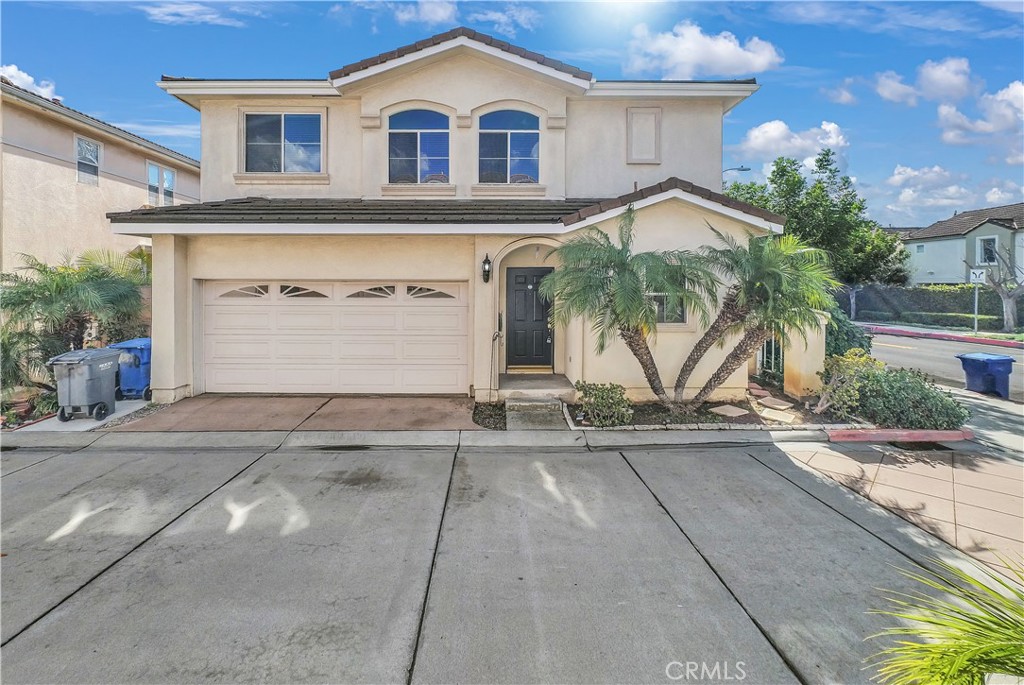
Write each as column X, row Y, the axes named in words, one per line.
column 62, row 171
column 383, row 230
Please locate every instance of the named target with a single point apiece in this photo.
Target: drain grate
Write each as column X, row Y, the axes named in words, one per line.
column 921, row 446
column 342, row 448
column 7, row 448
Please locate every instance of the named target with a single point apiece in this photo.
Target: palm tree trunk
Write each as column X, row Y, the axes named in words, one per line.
column 728, row 315
column 746, row 348
column 636, row 341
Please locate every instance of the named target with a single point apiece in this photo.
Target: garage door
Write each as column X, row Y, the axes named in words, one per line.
column 305, row 337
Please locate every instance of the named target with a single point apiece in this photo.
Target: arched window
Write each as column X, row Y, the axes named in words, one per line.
column 418, row 147
column 509, row 147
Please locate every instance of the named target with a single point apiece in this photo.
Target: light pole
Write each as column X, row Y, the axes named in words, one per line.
column 741, row 167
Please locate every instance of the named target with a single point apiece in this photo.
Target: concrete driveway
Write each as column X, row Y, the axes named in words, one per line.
column 133, row 561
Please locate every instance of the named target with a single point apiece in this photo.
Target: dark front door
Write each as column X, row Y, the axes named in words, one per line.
column 528, row 338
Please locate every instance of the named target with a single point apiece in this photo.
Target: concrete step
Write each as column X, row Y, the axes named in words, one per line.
column 534, row 414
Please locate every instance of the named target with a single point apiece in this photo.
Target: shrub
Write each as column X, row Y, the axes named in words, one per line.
column 842, row 335
column 874, row 315
column 842, row 379
column 954, row 299
column 605, row 404
column 985, row 322
column 905, row 398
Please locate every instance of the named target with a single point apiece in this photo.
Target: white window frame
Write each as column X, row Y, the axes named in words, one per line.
column 979, row 252
column 99, row 160
column 508, row 148
column 919, row 248
column 162, row 170
column 419, row 151
column 685, row 323
column 281, row 112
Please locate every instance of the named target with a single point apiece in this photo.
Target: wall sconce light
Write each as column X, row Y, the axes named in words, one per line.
column 485, row 268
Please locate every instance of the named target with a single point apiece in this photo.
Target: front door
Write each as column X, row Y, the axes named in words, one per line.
column 529, row 337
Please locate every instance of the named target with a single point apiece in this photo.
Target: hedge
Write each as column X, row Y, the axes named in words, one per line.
column 942, row 299
column 985, row 323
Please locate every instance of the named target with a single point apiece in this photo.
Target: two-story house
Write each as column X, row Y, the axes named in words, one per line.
column 64, row 170
column 384, row 230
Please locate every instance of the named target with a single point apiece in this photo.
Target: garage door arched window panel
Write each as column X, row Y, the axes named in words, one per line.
column 375, row 292
column 423, row 292
column 300, row 291
column 418, row 147
column 248, row 291
column 509, row 147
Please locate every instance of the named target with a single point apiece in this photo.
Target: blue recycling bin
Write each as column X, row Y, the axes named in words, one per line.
column 989, row 373
column 135, row 364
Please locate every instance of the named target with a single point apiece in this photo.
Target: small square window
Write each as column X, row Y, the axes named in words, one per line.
column 282, row 143
column 669, row 314
column 88, row 157
column 920, row 249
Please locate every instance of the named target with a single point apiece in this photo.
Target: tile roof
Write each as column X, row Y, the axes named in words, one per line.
column 60, row 108
column 460, row 32
column 672, row 183
column 378, row 211
column 1009, row 216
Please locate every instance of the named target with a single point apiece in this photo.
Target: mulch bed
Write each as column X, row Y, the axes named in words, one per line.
column 135, row 415
column 490, row 415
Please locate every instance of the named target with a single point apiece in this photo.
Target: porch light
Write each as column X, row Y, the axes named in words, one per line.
column 485, row 268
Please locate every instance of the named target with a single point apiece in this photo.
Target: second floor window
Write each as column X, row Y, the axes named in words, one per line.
column 88, row 158
column 509, row 147
column 282, row 143
column 161, row 185
column 418, row 147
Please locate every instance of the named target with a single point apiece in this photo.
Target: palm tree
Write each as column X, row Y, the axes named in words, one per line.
column 136, row 265
column 59, row 303
column 783, row 284
column 615, row 288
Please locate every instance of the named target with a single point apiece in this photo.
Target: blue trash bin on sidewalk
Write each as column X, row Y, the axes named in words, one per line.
column 135, row 364
column 989, row 373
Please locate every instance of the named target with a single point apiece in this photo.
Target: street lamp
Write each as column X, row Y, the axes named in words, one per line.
column 741, row 167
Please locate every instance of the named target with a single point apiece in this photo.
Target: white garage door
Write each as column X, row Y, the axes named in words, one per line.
column 305, row 337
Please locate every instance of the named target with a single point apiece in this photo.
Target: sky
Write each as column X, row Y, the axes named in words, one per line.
column 923, row 102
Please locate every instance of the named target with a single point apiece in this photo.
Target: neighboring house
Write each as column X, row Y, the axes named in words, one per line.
column 383, row 230
column 62, row 171
column 946, row 251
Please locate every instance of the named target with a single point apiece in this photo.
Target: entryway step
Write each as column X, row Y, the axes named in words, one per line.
column 534, row 414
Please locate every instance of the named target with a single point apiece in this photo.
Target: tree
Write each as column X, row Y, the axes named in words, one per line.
column 50, row 310
column 826, row 212
column 794, row 284
column 1007, row 280
column 615, row 288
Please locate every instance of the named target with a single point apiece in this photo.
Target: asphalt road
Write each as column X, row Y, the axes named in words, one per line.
column 936, row 358
column 126, row 563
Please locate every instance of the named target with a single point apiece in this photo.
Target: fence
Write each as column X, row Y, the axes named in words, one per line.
column 769, row 357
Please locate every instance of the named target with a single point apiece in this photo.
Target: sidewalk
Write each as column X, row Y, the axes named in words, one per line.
column 907, row 331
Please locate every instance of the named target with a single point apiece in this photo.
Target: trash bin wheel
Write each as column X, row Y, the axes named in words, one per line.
column 100, row 411
column 63, row 415
column 147, row 394
column 118, row 395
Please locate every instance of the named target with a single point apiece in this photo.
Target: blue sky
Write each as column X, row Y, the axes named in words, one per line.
column 922, row 101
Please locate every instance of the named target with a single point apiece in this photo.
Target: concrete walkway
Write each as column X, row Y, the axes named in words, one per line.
column 974, row 501
column 266, row 561
column 84, row 423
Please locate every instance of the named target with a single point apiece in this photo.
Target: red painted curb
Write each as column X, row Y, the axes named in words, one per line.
column 897, row 435
column 903, row 333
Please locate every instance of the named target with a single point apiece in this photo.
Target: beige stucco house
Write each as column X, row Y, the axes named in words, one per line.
column 383, row 230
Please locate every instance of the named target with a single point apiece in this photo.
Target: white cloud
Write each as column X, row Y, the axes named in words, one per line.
column 508, row 21
column 903, row 19
column 946, row 81
column 841, row 94
column 47, row 89
column 890, row 86
column 1002, row 114
column 161, row 129
column 1004, row 193
column 928, row 187
column 774, row 139
column 184, row 13
column 429, row 12
column 925, row 177
column 687, row 52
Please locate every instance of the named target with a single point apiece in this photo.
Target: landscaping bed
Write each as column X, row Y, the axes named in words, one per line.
column 490, row 415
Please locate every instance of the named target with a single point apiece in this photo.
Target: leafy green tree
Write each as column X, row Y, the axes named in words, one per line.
column 614, row 288
column 826, row 212
column 785, row 284
column 49, row 309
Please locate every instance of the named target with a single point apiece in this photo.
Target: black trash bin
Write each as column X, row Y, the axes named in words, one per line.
column 86, row 382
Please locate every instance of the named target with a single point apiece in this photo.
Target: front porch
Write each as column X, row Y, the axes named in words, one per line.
column 550, row 386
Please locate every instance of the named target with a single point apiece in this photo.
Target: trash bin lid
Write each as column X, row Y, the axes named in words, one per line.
column 83, row 356
column 985, row 357
column 134, row 343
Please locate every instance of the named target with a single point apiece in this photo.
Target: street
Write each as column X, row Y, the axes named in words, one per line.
column 937, row 359
column 276, row 563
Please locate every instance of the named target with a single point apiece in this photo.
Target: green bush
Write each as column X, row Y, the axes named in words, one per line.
column 985, row 322
column 605, row 404
column 905, row 398
column 894, row 301
column 874, row 315
column 843, row 335
column 841, row 381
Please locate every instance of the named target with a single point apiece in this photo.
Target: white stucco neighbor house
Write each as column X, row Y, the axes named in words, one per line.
column 945, row 251
column 384, row 229
column 62, row 171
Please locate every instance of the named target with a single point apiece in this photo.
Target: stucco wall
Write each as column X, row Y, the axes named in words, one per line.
column 46, row 211
column 1004, row 242
column 941, row 262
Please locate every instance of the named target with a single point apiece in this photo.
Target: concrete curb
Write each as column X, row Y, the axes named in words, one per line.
column 898, row 435
column 56, row 439
column 903, row 333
